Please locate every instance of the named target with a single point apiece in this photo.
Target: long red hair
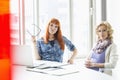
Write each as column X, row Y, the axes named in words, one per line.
column 57, row 35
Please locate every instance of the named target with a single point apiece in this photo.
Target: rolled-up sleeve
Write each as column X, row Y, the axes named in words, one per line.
column 69, row 44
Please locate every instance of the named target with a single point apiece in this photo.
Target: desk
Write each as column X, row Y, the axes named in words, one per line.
column 20, row 73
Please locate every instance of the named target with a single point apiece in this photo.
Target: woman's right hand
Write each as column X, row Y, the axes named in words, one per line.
column 33, row 39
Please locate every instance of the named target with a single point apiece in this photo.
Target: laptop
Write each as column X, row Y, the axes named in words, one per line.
column 22, row 55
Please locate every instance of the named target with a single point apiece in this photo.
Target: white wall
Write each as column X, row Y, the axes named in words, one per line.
column 113, row 16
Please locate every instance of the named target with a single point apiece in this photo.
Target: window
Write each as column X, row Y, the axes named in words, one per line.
column 55, row 9
column 80, row 25
column 75, row 18
column 15, row 29
column 113, row 17
column 30, row 20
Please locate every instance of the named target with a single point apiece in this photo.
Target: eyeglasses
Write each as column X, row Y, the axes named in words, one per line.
column 35, row 27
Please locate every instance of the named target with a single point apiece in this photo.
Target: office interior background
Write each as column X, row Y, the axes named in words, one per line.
column 78, row 20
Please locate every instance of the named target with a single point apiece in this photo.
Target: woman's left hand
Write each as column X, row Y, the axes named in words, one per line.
column 89, row 63
column 71, row 61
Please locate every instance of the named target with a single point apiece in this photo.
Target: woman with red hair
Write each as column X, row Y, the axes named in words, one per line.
column 51, row 46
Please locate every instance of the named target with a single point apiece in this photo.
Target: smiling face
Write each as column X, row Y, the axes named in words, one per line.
column 53, row 28
column 102, row 32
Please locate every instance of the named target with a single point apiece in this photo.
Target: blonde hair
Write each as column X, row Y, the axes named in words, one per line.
column 108, row 27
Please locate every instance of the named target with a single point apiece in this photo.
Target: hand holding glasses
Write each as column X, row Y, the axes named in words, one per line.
column 33, row 36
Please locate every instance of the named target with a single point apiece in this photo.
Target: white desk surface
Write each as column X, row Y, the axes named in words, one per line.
column 20, row 73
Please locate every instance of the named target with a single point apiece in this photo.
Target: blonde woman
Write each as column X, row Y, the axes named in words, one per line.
column 103, row 56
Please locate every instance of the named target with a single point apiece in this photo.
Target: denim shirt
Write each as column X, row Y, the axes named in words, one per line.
column 53, row 52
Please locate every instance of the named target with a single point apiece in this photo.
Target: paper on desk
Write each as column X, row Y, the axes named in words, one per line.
column 56, row 70
column 65, row 70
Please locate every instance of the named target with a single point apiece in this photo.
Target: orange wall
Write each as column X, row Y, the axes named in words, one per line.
column 5, row 71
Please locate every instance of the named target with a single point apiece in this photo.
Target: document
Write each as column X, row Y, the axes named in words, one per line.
column 57, row 70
